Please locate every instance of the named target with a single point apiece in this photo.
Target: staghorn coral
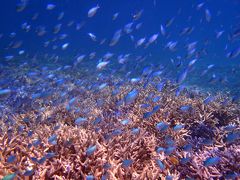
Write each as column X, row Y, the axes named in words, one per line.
column 26, row 134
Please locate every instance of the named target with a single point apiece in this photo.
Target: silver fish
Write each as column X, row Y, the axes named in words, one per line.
column 115, row 16
column 140, row 42
column 138, row 26
column 101, row 65
column 200, row 5
column 60, row 16
column 152, row 39
column 219, row 34
column 128, row 28
column 92, row 36
column 50, row 6
column 163, row 31
column 93, row 11
column 64, row 46
column 57, row 28
column 116, row 37
column 138, row 15
column 208, row 15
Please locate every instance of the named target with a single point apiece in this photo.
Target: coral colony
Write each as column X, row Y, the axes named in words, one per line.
column 116, row 130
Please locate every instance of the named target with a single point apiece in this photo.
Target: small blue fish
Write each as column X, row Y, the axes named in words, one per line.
column 135, row 130
column 89, row 177
column 200, row 5
column 157, row 73
column 178, row 127
column 145, row 105
column 60, row 82
column 171, row 45
column 91, row 150
column 151, row 94
column 207, row 142
column 107, row 166
column 232, row 175
column 9, row 57
column 187, row 178
column 127, row 162
column 35, row 160
column 26, row 120
column 29, row 145
column 185, row 160
column 5, row 91
column 131, row 96
column 169, row 140
column 50, row 6
column 97, row 121
column 125, row 122
column 191, row 63
column 208, row 15
column 160, row 86
column 162, row 126
column 103, row 86
column 36, row 96
column 116, row 37
column 147, row 70
column 36, row 142
column 230, row 127
column 50, row 155
column 147, row 115
column 179, row 90
column 156, row 99
column 11, row 159
column 80, row 120
column 211, row 161
column 117, row 132
column 72, row 101
column 20, row 128
column 169, row 177
column 56, row 127
column 115, row 92
column 187, row 147
column 160, row 149
column 208, row 100
column 160, row 164
column 115, row 15
column 53, row 139
column 234, row 53
column 185, row 108
column 231, row 137
column 182, row 76
column 169, row 150
column 156, row 108
column 30, row 133
column 104, row 177
column 163, row 31
column 42, row 160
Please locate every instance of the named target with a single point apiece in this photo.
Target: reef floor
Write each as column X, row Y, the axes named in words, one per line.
column 70, row 125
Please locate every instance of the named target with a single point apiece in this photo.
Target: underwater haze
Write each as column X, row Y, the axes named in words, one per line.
column 120, row 89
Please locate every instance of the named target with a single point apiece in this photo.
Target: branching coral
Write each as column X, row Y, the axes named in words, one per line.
column 158, row 138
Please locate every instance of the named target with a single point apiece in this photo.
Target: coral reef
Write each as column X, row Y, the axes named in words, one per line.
column 97, row 135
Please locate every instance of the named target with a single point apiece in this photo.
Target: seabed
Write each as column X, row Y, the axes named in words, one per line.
column 57, row 125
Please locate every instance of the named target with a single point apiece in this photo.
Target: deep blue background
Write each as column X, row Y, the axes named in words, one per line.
column 225, row 16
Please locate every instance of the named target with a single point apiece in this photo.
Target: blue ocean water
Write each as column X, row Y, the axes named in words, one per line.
column 186, row 30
